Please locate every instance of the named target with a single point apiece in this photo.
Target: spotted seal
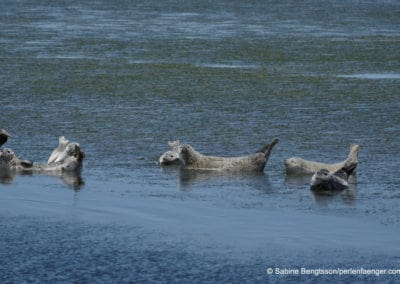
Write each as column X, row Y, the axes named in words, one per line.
column 9, row 161
column 326, row 181
column 296, row 165
column 195, row 160
column 3, row 136
column 170, row 158
column 70, row 161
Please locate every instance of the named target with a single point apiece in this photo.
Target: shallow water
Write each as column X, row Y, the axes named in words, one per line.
column 122, row 79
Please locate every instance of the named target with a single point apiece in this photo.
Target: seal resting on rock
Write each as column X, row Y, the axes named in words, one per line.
column 3, row 137
column 326, row 181
column 297, row 165
column 170, row 158
column 250, row 163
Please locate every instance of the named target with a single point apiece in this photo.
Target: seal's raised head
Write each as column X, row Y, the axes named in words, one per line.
column 9, row 161
column 6, row 156
column 188, row 154
column 169, row 158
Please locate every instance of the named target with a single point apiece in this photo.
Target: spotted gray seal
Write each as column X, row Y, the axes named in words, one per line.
column 3, row 136
column 326, row 181
column 195, row 160
column 71, row 161
column 170, row 158
column 9, row 161
column 296, row 165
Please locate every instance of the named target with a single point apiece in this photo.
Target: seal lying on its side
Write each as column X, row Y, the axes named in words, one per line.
column 170, row 158
column 8, row 161
column 194, row 160
column 71, row 162
column 297, row 165
column 325, row 181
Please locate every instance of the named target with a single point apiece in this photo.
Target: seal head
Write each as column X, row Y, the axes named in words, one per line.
column 9, row 161
column 170, row 158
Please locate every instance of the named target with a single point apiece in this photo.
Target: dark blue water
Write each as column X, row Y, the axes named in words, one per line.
column 124, row 78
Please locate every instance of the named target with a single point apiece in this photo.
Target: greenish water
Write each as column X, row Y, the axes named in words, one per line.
column 123, row 78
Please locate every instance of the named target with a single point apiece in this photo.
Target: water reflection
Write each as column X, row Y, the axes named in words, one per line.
column 6, row 177
column 189, row 178
column 297, row 180
column 71, row 179
column 347, row 196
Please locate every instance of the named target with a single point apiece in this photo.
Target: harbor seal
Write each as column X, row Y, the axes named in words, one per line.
column 296, row 165
column 9, row 161
column 250, row 163
column 170, row 158
column 326, row 181
column 3, row 136
column 71, row 161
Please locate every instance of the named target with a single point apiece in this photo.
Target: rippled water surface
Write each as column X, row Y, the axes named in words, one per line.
column 123, row 78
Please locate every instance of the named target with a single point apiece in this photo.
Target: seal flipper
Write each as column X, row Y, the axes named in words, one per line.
column 353, row 154
column 352, row 158
column 347, row 169
column 26, row 164
column 268, row 148
column 174, row 145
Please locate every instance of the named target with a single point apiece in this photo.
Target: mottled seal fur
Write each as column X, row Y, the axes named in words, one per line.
column 170, row 158
column 70, row 160
column 9, row 161
column 296, row 165
column 3, row 136
column 326, row 181
column 195, row 160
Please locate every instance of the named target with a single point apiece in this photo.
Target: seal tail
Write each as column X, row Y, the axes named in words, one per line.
column 174, row 145
column 353, row 154
column 352, row 158
column 268, row 148
column 349, row 167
